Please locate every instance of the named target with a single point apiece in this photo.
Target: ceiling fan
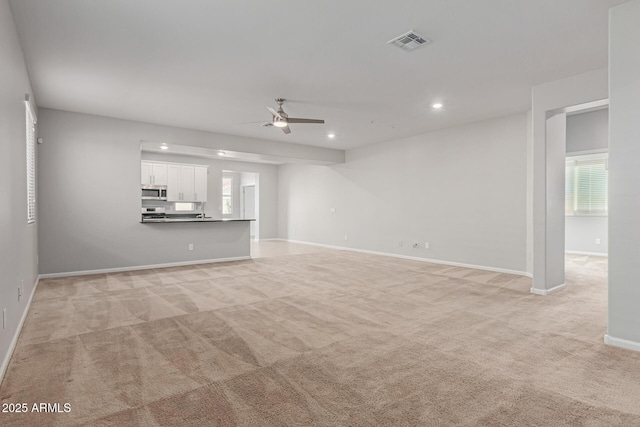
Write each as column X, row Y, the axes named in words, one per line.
column 282, row 120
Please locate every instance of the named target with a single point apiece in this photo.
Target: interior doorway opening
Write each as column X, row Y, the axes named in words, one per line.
column 241, row 198
column 586, row 194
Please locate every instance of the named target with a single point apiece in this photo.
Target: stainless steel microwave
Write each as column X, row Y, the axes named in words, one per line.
column 154, row 192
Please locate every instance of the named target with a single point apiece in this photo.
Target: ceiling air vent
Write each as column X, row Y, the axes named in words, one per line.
column 409, row 41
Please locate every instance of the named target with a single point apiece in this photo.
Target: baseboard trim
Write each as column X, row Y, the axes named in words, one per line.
column 16, row 335
column 413, row 258
column 587, row 253
column 141, row 267
column 622, row 343
column 545, row 292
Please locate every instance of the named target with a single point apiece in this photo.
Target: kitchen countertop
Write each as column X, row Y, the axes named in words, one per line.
column 171, row 220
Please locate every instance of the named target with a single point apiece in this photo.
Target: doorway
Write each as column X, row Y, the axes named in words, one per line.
column 586, row 193
column 241, row 198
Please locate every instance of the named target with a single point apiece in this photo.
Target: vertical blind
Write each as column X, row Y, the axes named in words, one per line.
column 31, row 162
column 586, row 183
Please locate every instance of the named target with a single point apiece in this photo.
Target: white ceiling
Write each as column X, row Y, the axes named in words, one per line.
column 214, row 65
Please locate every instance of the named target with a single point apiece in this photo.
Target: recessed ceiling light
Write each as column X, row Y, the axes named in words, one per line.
column 437, row 105
column 331, row 135
column 164, row 147
column 221, row 153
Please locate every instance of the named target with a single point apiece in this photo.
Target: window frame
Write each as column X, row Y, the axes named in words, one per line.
column 228, row 196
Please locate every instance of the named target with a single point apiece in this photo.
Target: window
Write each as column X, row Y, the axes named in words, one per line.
column 181, row 207
column 227, row 195
column 586, row 182
column 31, row 160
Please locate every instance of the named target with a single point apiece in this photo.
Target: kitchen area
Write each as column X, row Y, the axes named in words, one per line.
column 175, row 189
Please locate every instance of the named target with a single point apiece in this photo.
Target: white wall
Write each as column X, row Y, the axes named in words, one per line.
column 18, row 240
column 587, row 132
column 624, row 176
column 89, row 169
column 462, row 189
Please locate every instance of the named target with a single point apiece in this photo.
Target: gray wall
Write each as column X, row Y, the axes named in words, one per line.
column 89, row 169
column 587, row 132
column 581, row 233
column 624, row 174
column 18, row 240
column 462, row 189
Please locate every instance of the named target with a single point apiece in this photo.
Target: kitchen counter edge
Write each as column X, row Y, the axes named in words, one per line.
column 172, row 220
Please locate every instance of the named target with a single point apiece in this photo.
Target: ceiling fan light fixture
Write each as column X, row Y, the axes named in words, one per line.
column 279, row 123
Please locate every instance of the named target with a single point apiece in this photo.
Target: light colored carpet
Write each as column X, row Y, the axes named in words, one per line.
column 327, row 338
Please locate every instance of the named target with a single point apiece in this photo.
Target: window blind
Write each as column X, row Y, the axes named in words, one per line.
column 586, row 183
column 31, row 161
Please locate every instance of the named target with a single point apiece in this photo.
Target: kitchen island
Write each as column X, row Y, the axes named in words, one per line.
column 192, row 239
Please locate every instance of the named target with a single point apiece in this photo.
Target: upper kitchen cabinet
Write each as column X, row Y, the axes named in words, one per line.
column 153, row 173
column 200, row 183
column 186, row 183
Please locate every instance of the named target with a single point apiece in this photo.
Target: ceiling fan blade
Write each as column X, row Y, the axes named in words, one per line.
column 295, row 120
column 275, row 113
column 286, row 129
column 267, row 124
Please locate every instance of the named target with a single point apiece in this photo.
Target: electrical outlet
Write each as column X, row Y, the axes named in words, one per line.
column 332, row 210
column 19, row 292
column 597, row 241
column 190, row 246
column 426, row 245
column 346, row 237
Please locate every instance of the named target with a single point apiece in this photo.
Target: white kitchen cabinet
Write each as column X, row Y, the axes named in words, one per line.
column 200, row 184
column 174, row 185
column 153, row 173
column 159, row 172
column 186, row 183
column 145, row 173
